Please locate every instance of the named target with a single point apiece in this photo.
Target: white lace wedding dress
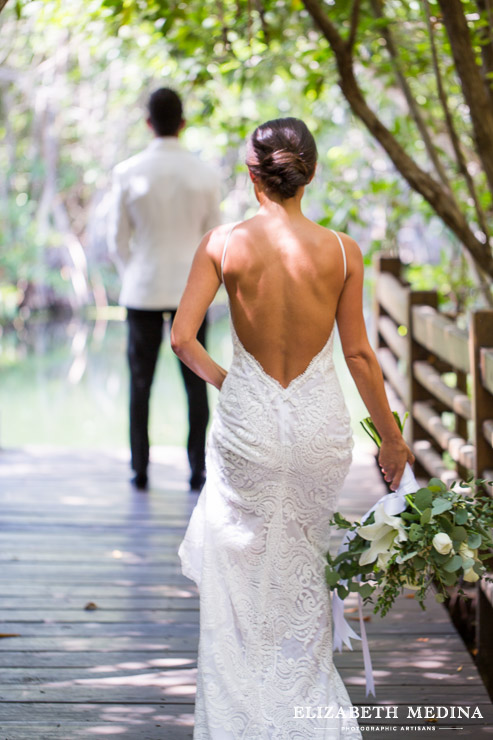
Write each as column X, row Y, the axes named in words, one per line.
column 255, row 546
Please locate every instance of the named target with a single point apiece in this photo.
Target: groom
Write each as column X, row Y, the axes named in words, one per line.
column 164, row 200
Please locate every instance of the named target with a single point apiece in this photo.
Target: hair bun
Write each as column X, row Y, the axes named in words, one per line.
column 284, row 156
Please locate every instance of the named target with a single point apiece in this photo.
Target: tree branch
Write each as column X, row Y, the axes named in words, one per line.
column 418, row 179
column 263, row 21
column 354, row 25
column 3, row 3
column 486, row 37
column 411, row 102
column 454, row 137
column 473, row 86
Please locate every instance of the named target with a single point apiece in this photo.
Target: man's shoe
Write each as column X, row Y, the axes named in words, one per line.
column 197, row 481
column 140, row 482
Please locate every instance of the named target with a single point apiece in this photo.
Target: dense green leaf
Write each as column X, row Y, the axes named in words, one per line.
column 426, row 516
column 440, row 505
column 474, row 540
column 423, row 498
column 453, row 564
column 459, row 534
column 366, row 590
column 331, row 576
column 460, row 516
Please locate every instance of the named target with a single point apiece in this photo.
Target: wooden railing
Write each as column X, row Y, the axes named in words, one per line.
column 441, row 373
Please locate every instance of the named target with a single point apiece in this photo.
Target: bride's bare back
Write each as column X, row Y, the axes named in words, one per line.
column 284, row 279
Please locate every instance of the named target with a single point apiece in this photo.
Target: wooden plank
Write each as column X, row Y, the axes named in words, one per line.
column 393, row 296
column 441, row 336
column 152, row 675
column 422, row 656
column 27, row 605
column 488, row 431
column 486, row 363
column 175, row 689
column 432, row 462
column 481, row 350
column 432, row 381
column 101, row 729
column 397, row 343
column 174, row 628
column 460, row 450
column 392, row 373
column 111, row 670
column 416, row 391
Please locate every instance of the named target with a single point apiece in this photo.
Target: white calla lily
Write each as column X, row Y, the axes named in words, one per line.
column 382, row 534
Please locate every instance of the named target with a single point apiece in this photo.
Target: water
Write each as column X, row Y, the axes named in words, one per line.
column 66, row 384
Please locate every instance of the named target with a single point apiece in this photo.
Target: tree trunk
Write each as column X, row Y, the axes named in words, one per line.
column 473, row 86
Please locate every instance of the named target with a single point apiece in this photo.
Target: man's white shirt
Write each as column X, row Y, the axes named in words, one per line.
column 164, row 200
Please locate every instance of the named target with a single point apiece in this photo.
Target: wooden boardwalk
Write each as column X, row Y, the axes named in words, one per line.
column 73, row 534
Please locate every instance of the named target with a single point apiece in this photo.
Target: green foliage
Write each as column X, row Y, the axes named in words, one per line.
column 81, row 72
column 436, row 552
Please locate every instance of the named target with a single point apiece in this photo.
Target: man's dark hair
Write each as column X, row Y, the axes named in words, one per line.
column 165, row 112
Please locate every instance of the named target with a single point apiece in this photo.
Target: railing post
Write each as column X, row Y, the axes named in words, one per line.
column 480, row 336
column 392, row 265
column 416, row 353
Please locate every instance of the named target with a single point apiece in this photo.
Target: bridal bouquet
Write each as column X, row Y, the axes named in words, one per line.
column 434, row 535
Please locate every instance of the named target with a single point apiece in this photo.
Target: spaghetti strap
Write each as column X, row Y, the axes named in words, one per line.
column 343, row 251
column 225, row 248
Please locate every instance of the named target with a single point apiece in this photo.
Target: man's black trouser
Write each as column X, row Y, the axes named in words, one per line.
column 145, row 332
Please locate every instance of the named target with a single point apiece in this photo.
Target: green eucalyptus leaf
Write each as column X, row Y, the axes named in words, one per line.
column 366, row 590
column 426, row 516
column 423, row 498
column 460, row 516
column 437, row 485
column 415, row 532
column 449, row 579
column 453, row 564
column 440, row 505
column 459, row 534
column 342, row 592
column 474, row 540
column 331, row 576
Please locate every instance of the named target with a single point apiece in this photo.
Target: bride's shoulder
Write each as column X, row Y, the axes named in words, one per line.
column 215, row 239
column 348, row 242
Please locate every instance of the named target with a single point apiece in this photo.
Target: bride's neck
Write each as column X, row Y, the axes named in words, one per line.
column 288, row 208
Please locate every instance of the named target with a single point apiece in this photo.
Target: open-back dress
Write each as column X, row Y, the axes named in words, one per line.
column 255, row 546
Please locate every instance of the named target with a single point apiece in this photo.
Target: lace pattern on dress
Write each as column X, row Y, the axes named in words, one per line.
column 255, row 545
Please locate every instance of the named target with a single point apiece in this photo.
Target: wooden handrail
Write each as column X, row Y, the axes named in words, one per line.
column 411, row 332
column 433, row 349
column 441, row 336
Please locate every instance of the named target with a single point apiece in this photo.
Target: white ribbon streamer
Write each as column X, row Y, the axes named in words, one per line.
column 394, row 503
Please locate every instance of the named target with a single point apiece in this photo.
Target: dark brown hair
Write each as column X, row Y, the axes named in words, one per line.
column 165, row 111
column 283, row 155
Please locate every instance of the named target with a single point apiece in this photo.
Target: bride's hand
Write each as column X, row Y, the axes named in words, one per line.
column 392, row 458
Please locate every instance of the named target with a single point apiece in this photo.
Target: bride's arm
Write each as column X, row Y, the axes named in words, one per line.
column 202, row 286
column 365, row 369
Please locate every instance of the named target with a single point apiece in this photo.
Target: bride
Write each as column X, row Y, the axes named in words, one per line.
column 278, row 452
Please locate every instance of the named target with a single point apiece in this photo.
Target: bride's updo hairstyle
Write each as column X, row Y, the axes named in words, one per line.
column 282, row 154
